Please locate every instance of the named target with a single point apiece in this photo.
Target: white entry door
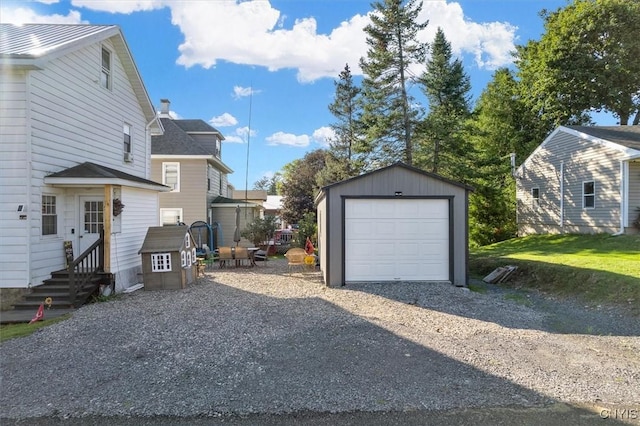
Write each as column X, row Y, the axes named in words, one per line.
column 396, row 240
column 91, row 221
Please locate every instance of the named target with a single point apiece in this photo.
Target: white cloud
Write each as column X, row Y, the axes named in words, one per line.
column 120, row 6
column 281, row 138
column 255, row 33
column 240, row 135
column 243, row 92
column 224, row 120
column 23, row 15
column 323, row 135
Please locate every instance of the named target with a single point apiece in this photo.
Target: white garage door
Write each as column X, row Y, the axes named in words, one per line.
column 396, row 240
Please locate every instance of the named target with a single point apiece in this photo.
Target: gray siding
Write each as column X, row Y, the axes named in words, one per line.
column 387, row 182
column 583, row 161
column 192, row 197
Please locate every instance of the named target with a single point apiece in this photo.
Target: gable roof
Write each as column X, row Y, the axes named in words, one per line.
column 399, row 164
column 628, row 136
column 622, row 138
column 175, row 141
column 96, row 174
column 31, row 46
column 197, row 126
column 164, row 238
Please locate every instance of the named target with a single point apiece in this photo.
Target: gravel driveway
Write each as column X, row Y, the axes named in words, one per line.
column 260, row 341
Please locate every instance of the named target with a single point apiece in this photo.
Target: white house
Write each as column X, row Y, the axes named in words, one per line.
column 76, row 124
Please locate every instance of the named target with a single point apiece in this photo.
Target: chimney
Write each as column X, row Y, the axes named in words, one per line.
column 164, row 107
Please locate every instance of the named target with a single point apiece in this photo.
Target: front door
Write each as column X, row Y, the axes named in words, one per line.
column 91, row 221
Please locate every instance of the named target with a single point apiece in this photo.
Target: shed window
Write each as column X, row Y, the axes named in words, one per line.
column 187, row 241
column 535, row 197
column 183, row 258
column 105, row 75
column 49, row 215
column 588, row 194
column 160, row 262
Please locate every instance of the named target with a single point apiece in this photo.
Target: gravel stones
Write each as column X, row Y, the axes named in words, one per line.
column 263, row 340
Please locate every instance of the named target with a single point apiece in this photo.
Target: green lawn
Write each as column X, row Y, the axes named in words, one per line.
column 601, row 268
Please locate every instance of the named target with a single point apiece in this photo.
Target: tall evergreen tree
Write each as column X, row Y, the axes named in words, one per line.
column 500, row 126
column 344, row 158
column 442, row 148
column 393, row 47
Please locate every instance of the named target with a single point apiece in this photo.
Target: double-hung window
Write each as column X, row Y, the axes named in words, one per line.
column 171, row 176
column 126, row 133
column 588, row 195
column 49, row 215
column 535, row 198
column 105, row 74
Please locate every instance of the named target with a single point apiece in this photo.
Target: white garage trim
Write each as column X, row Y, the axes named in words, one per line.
column 397, row 239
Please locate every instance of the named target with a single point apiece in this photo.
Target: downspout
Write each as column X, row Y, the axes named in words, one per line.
column 562, row 197
column 29, row 172
column 623, row 196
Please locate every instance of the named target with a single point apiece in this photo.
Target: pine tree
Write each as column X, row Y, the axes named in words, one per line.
column 344, row 158
column 388, row 117
column 442, row 148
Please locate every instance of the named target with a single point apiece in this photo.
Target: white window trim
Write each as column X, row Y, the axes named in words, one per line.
column 127, row 130
column 164, row 175
column 166, row 264
column 162, row 210
column 589, row 195
column 109, row 71
column 535, row 201
column 57, row 215
column 183, row 258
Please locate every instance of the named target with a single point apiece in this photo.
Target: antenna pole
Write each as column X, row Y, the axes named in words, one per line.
column 246, row 178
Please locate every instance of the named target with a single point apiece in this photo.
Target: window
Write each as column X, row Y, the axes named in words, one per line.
column 183, row 259
column 126, row 130
column 535, row 197
column 171, row 176
column 588, row 195
column 187, row 241
column 160, row 262
column 170, row 216
column 105, row 75
column 49, row 215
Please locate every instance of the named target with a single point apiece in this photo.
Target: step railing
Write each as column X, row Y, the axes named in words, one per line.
column 86, row 267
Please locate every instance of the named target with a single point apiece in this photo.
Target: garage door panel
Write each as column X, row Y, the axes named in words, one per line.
column 396, row 240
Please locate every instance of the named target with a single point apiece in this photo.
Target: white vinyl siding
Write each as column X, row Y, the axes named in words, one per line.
column 583, row 161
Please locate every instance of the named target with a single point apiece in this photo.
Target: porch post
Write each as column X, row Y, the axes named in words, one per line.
column 108, row 213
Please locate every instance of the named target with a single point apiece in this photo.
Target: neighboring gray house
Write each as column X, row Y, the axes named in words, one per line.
column 397, row 223
column 581, row 179
column 188, row 158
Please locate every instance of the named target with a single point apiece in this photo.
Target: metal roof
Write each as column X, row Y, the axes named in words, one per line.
column 37, row 40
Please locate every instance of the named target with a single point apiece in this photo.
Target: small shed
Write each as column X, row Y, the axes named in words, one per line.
column 168, row 258
column 395, row 224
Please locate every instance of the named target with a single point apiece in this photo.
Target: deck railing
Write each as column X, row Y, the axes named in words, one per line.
column 86, row 267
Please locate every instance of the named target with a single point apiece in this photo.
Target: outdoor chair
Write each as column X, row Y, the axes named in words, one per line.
column 242, row 256
column 295, row 258
column 224, row 255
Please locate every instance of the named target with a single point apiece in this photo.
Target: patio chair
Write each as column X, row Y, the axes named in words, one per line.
column 295, row 258
column 242, row 256
column 224, row 255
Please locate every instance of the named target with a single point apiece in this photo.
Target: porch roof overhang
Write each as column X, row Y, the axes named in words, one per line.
column 91, row 174
column 225, row 202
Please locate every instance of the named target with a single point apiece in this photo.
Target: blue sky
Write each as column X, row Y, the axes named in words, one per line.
column 270, row 66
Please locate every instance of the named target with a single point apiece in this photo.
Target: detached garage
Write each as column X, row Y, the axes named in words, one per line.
column 395, row 224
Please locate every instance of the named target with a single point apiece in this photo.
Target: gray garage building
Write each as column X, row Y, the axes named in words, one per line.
column 394, row 224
